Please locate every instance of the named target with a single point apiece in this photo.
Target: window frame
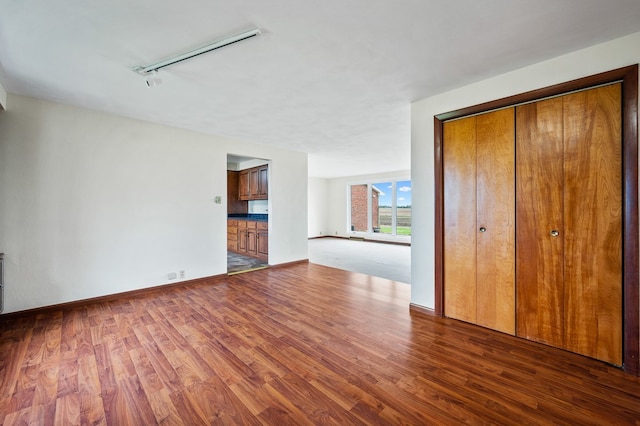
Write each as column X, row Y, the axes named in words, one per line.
column 369, row 233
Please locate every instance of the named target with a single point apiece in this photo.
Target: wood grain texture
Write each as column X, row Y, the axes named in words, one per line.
column 438, row 141
column 631, row 230
column 539, row 210
column 460, row 219
column 631, row 270
column 303, row 344
column 593, row 223
column 495, row 191
column 244, row 190
column 234, row 204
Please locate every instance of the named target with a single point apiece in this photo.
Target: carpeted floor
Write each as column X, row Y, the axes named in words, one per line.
column 389, row 261
column 237, row 263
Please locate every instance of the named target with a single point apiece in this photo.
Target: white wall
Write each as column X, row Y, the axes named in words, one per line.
column 604, row 57
column 318, row 194
column 94, row 204
column 337, row 215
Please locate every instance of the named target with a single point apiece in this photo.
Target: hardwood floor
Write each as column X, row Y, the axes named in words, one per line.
column 303, row 344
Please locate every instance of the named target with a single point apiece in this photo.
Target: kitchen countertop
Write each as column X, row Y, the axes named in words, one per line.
column 258, row 217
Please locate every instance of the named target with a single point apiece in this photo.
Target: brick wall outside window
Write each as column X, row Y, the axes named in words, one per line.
column 359, row 219
column 359, row 208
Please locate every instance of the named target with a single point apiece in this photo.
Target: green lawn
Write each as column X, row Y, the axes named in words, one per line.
column 401, row 230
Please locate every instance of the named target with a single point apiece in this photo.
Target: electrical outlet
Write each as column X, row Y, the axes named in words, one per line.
column 182, row 274
column 172, row 275
column 218, row 199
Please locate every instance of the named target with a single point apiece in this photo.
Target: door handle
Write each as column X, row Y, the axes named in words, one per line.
column 554, row 233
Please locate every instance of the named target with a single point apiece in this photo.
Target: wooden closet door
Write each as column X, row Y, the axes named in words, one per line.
column 459, row 158
column 495, row 193
column 539, row 215
column 593, row 223
column 479, row 269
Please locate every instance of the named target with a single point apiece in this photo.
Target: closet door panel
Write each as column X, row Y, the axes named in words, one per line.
column 539, row 212
column 593, row 223
column 495, row 133
column 459, row 158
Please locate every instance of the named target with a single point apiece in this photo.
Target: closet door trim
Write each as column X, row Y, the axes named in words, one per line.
column 631, row 296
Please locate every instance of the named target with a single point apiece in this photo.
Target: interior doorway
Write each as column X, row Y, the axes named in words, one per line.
column 247, row 213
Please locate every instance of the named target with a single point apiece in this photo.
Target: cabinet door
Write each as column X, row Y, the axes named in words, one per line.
column 263, row 244
column 263, row 183
column 234, row 204
column 459, row 158
column 495, row 220
column 539, row 212
column 252, row 241
column 593, row 223
column 253, row 183
column 232, row 235
column 242, row 240
column 243, row 185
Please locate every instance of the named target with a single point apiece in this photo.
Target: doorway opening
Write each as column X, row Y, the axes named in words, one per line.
column 247, row 213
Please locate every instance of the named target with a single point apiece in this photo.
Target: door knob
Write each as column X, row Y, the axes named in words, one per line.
column 554, row 233
column 483, row 229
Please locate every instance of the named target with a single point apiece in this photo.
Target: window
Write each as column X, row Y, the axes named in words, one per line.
column 403, row 207
column 381, row 208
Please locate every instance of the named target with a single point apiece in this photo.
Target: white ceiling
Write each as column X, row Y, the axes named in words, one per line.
column 333, row 78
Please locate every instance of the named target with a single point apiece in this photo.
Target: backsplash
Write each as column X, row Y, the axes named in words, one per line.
column 259, row 206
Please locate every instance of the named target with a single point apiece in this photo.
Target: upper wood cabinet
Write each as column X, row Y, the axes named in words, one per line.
column 243, row 185
column 234, row 204
column 254, row 183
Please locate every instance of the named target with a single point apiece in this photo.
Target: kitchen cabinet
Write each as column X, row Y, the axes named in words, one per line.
column 252, row 236
column 254, row 183
column 248, row 237
column 262, row 244
column 232, row 235
column 243, row 185
column 234, row 204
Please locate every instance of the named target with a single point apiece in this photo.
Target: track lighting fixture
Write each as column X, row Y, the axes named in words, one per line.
column 152, row 79
column 151, row 71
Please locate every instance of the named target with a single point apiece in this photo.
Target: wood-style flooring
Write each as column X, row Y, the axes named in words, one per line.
column 302, row 344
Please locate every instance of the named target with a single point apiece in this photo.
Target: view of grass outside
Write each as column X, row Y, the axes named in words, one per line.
column 403, row 207
column 403, row 218
column 372, row 207
column 383, row 221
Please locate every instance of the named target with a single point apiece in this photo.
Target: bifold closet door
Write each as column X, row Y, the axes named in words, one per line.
column 539, row 216
column 495, row 213
column 459, row 157
column 593, row 223
column 569, row 222
column 479, row 220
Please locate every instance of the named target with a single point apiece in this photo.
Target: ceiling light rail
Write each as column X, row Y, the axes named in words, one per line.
column 146, row 70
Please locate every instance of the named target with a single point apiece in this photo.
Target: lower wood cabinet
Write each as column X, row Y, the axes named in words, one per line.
column 232, row 235
column 262, row 240
column 248, row 237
